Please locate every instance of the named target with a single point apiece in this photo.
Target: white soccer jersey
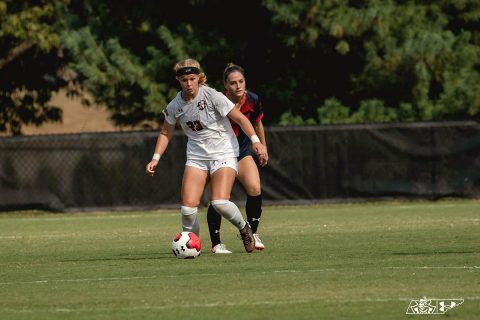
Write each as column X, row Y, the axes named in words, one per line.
column 204, row 120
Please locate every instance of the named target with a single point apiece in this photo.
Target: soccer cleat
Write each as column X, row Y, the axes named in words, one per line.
column 258, row 242
column 247, row 238
column 220, row 248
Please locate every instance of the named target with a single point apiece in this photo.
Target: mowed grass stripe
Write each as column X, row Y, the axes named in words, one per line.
column 217, row 305
column 372, row 269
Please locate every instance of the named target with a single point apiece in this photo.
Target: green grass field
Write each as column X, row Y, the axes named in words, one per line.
column 357, row 261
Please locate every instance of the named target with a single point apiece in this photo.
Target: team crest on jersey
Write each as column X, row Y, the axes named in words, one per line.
column 201, row 105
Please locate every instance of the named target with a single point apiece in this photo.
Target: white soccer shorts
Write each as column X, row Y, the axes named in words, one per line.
column 213, row 165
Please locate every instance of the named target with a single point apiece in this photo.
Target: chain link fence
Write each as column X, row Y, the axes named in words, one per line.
column 98, row 171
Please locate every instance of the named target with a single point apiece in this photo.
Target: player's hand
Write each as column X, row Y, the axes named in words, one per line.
column 151, row 167
column 260, row 150
column 263, row 159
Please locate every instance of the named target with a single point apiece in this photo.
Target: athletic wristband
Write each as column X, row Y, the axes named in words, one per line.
column 156, row 156
column 254, row 139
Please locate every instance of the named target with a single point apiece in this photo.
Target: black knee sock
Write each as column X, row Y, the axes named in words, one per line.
column 214, row 220
column 254, row 211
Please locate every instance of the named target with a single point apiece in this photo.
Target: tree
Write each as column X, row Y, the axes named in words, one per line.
column 126, row 62
column 420, row 58
column 31, row 64
column 318, row 61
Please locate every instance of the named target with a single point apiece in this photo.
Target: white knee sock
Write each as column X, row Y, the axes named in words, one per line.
column 229, row 211
column 190, row 220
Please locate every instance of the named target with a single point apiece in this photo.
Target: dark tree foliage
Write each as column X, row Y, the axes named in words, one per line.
column 388, row 60
column 31, row 64
column 318, row 61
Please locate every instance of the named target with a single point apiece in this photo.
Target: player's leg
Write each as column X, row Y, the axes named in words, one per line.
column 222, row 182
column 222, row 179
column 193, row 185
column 214, row 220
column 249, row 177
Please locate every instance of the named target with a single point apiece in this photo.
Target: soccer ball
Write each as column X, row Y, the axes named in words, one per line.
column 186, row 245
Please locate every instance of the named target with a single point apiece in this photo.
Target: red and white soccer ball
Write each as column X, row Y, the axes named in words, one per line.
column 186, row 245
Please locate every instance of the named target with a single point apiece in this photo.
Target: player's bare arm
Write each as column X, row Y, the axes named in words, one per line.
column 162, row 143
column 260, row 131
column 247, row 127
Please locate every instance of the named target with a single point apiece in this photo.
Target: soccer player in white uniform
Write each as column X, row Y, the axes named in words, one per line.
column 212, row 147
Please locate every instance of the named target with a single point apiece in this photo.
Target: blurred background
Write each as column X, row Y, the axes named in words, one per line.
column 402, row 75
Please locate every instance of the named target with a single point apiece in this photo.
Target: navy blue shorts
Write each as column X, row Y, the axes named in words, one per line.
column 245, row 149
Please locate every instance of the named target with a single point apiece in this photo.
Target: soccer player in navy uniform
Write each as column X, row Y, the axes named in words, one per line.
column 250, row 105
column 212, row 147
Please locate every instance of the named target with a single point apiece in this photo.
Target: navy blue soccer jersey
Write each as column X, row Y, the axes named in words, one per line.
column 251, row 107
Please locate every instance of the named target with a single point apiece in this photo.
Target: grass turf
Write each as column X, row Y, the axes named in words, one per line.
column 357, row 261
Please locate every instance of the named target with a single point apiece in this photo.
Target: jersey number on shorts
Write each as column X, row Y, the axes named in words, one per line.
column 195, row 125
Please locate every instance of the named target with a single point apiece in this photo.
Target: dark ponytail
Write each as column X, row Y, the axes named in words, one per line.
column 231, row 67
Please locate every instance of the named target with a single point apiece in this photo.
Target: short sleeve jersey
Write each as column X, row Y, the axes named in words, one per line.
column 252, row 109
column 204, row 120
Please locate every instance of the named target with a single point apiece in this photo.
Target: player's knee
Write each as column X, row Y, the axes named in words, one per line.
column 190, row 203
column 254, row 191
